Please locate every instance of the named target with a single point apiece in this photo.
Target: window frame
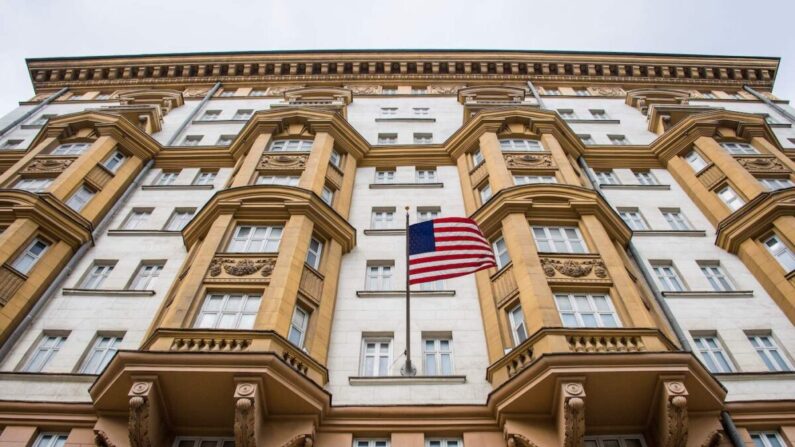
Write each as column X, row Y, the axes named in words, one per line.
column 93, row 279
column 426, row 175
column 738, row 148
column 133, row 220
column 515, row 326
column 521, row 145
column 302, row 330
column 707, row 353
column 116, row 156
column 387, row 138
column 606, row 177
column 33, row 185
column 384, row 176
column 249, row 240
column 499, row 252
column 646, row 178
column 533, row 179
column 218, row 314
column 71, row 149
column 674, row 223
column 775, row 183
column 633, row 218
column 58, row 439
column 783, row 255
column 291, row 145
column 17, row 262
column 780, row 364
column 149, row 277
column 593, row 310
column 106, row 353
column 550, row 240
column 177, row 214
column 733, row 202
column 695, row 160
column 383, row 279
column 170, row 176
column 49, row 351
column 203, row 175
column 191, row 140
column 315, row 253
column 378, row 341
column 716, row 276
column 289, row 180
column 437, row 354
column 668, row 277
column 80, row 197
column 764, row 436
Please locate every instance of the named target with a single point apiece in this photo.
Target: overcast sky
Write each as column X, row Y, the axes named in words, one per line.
column 41, row 28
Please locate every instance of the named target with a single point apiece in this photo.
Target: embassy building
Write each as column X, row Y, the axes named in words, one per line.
column 208, row 250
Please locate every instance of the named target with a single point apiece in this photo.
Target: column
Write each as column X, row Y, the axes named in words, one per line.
column 467, row 189
column 66, row 182
column 709, row 202
column 314, row 176
column 742, row 180
column 325, row 313
column 11, row 172
column 244, row 176
column 499, row 175
column 567, row 174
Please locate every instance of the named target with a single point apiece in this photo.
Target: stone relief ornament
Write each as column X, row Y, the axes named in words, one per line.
column 241, row 267
column 282, row 161
column 445, row 89
column 762, row 164
column 608, row 91
column 48, row 165
column 280, row 89
column 574, row 268
column 101, row 439
column 517, row 440
column 364, row 89
column 195, row 92
column 528, row 160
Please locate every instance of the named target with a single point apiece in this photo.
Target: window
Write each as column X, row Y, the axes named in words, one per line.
column 257, row 92
column 313, row 253
column 599, row 114
column 97, row 274
column 646, row 178
column 298, row 326
column 137, row 218
column 28, row 258
column 48, row 346
column 227, row 93
column 551, row 91
column 443, row 442
column 567, row 114
column 376, row 356
column 695, row 161
column 225, row 140
column 192, row 140
column 389, row 90
column 676, row 219
column 587, row 139
column 618, row 140
column 102, row 96
column 146, row 275
column 205, row 177
column 101, row 353
column 423, row 138
column 419, row 90
column 255, row 239
column 211, row 115
column 291, row 146
column 518, row 328
column 767, row 439
column 379, row 276
column 421, row 111
column 485, row 193
column 11, row 144
column 582, row 92
column 228, row 311
column 287, row 180
column 113, row 162
column 51, row 440
column 717, row 278
column 586, row 310
column 33, row 184
column 559, row 240
column 614, row 441
column 520, row 145
column 477, row 157
column 370, row 443
column 336, row 158
column 327, row 195
column 80, row 198
column 179, row 218
column 730, row 198
column 75, row 97
column 389, row 111
column 769, row 119
column 773, row 184
column 166, row 178
column 387, row 138
column 70, row 149
column 708, row 95
column 711, row 352
column 768, row 351
column 432, row 286
column 438, row 356
column 501, row 252
column 633, row 219
column 739, row 148
column 242, row 114
column 204, row 441
column 426, row 175
column 780, row 251
column 606, row 177
column 427, row 213
column 668, row 277
column 42, row 120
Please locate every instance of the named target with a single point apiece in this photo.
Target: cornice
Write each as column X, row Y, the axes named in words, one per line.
column 51, row 214
column 754, row 218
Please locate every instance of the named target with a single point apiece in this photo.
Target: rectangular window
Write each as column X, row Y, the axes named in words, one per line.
column 97, row 274
column 291, row 146
column 711, row 352
column 708, row 95
column 137, row 219
column 425, row 175
column 258, row 92
column 768, row 351
column 205, row 177
column 146, row 275
column 730, row 198
column 211, row 115
column 389, row 111
column 477, row 157
column 582, row 92
column 586, row 310
column 102, row 96
column 633, row 219
column 166, row 178
column 587, row 139
column 668, row 277
column 102, row 351
column 28, row 258
column 549, row 91
column 255, row 239
column 531, row 179
column 179, row 218
column 33, row 184
column 376, row 356
column 80, row 198
column 599, row 114
column 385, row 176
column 618, row 140
column 228, row 311
column 768, row 119
column 419, row 90
column 192, row 140
column 518, row 328
column 225, row 140
column 327, row 195
column 379, row 276
column 70, row 149
column 559, row 240
column 780, row 251
column 520, row 145
column 11, row 144
column 203, row 441
column 432, row 286
column 444, row 442
column 717, row 278
column 485, row 193
column 606, row 177
column 421, row 111
column 501, row 252
column 614, row 441
column 227, row 93
column 370, row 443
column 646, row 178
column 387, row 138
column 389, row 90
column 427, row 213
column 773, row 184
column 739, row 148
column 336, row 158
column 314, row 252
column 298, row 327
column 113, row 162
column 42, row 120
column 695, row 160
column 242, row 114
column 438, row 356
column 676, row 220
column 286, row 180
column 567, row 114
column 48, row 346
column 767, row 439
column 423, row 138
column 51, row 440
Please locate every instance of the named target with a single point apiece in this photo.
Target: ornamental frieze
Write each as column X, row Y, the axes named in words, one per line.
column 283, row 161
column 364, row 89
column 574, row 268
column 529, row 161
column 607, row 91
column 241, row 267
column 762, row 164
column 41, row 165
column 445, row 89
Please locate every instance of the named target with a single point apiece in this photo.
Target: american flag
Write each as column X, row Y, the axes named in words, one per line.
column 447, row 247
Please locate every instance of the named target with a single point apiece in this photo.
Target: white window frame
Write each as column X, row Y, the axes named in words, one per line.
column 227, row 93
column 387, row 138
column 376, row 355
column 426, row 213
column 114, row 161
column 586, row 139
column 389, row 111
column 314, row 253
column 634, row 219
column 382, row 218
column 27, row 260
column 225, row 140
column 618, row 140
column 769, row 352
column 243, row 312
column 520, row 145
column 389, row 90
column 646, row 178
column 764, row 438
column 80, row 198
column 299, row 327
column 477, row 158
column 425, row 175
column 145, row 276
column 211, row 115
column 581, row 92
column 370, row 442
column 179, row 219
column 485, row 193
column 444, row 442
column 599, row 315
column 33, row 184
column 165, row 178
column 70, row 149
column 551, row 91
column 268, row 243
column 731, row 198
column 47, row 346
column 294, row 145
column 599, row 114
column 501, row 252
column 695, row 160
column 138, row 217
column 379, row 276
column 198, row 441
column 327, row 195
column 384, row 176
column 774, row 183
column 192, row 140
column 717, row 277
column 104, row 353
column 434, row 356
column 676, row 219
column 567, row 114
column 421, row 111
column 781, row 251
column 51, row 439
column 242, row 114
column 527, row 179
column 205, row 177
column 556, row 236
column 736, row 148
column 423, row 138
column 621, row 440
column 11, row 144
column 335, row 158
column 97, row 274
column 710, row 355
column 606, row 177
column 518, row 326
column 668, row 277
column 283, row 180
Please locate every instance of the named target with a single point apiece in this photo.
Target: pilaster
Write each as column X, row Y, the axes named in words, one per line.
column 245, row 174
column 744, row 183
column 499, row 175
column 63, row 185
column 567, row 174
column 314, row 175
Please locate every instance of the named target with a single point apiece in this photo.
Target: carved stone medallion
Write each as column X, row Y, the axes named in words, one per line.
column 241, row 267
column 47, row 165
column 574, row 268
column 283, row 161
column 529, row 161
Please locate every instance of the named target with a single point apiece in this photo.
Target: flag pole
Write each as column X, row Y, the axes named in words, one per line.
column 408, row 369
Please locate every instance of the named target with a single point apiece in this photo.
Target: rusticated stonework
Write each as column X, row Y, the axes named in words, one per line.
column 529, row 161
column 292, row 162
column 241, row 266
column 762, row 164
column 47, row 165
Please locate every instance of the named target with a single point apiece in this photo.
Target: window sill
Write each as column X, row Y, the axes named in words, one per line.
column 402, row 293
column 405, row 380
column 385, row 231
column 649, row 187
column 230, row 121
column 31, row 126
column 176, row 187
column 406, row 119
column 48, row 376
column 755, row 375
column 710, row 294
column 143, row 233
column 405, row 185
column 108, row 292
column 589, row 121
column 681, row 233
column 781, row 125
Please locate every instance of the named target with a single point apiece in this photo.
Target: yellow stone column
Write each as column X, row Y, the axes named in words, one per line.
column 12, row 239
column 66, row 182
column 743, row 182
column 495, row 342
column 245, row 174
column 567, row 174
column 499, row 175
column 709, row 202
column 314, row 175
column 11, row 172
column 106, row 197
column 467, row 189
column 343, row 204
column 324, row 315
column 770, row 274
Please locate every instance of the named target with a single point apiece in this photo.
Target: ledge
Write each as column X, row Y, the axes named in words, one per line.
column 403, row 380
column 402, row 293
column 219, row 121
column 587, row 121
column 385, row 232
column 143, row 233
column 31, row 126
column 407, row 119
column 782, row 125
column 405, row 185
column 680, row 233
column 177, row 187
column 755, row 375
column 105, row 292
column 48, row 376
column 710, row 294
column 649, row 187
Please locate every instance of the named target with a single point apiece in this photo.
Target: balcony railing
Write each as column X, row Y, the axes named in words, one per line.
column 311, row 283
column 710, row 176
column 334, row 175
column 477, row 174
column 10, row 282
column 503, row 284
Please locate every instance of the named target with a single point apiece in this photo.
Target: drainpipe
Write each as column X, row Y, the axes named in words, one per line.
column 57, row 283
column 193, row 114
column 644, row 270
column 535, row 94
column 770, row 103
column 731, row 429
column 34, row 110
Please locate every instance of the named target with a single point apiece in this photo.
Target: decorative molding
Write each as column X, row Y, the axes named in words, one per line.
column 517, row 440
column 241, row 266
column 300, row 441
column 245, row 414
column 529, row 160
column 283, row 161
column 139, row 417
column 573, row 396
column 713, row 439
column 762, row 164
column 673, row 420
column 47, row 165
column 574, row 268
column 101, row 439
column 605, row 343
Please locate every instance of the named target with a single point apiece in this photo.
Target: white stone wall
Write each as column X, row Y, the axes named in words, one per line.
column 365, row 115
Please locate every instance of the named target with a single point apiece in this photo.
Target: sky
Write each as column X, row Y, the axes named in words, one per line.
column 50, row 28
